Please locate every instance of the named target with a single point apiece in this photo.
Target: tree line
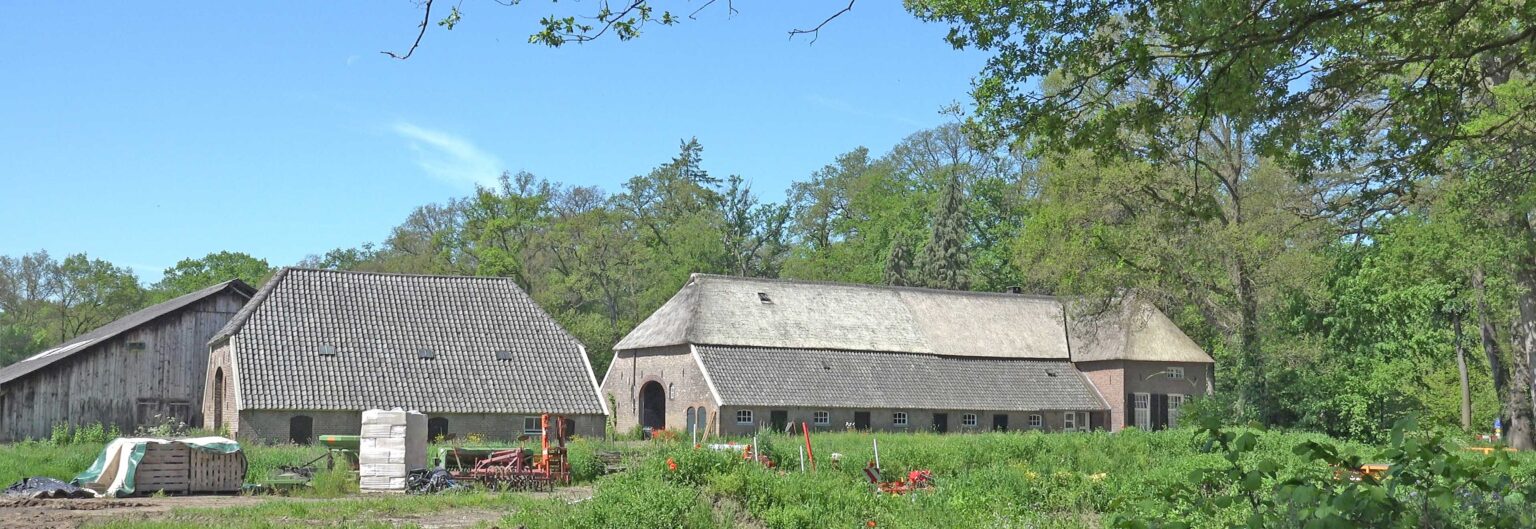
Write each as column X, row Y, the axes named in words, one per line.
column 1314, row 321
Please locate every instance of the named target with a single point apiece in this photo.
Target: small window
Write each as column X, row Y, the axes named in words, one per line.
column 899, row 418
column 1069, row 421
column 531, row 426
column 1036, row 421
column 437, row 429
column 135, row 346
column 327, row 350
column 1175, row 401
column 743, row 416
column 968, row 420
column 1141, row 408
column 425, row 354
column 503, row 355
column 181, row 411
column 763, row 297
column 821, row 418
column 672, row 390
column 1176, row 373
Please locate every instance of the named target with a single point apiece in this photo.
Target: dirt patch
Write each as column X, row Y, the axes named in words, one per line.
column 74, row 513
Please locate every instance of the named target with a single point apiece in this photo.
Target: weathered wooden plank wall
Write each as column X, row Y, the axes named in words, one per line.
column 107, row 382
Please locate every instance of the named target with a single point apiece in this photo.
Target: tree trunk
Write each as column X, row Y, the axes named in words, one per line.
column 1489, row 340
column 1248, row 339
column 1461, row 368
column 1524, row 336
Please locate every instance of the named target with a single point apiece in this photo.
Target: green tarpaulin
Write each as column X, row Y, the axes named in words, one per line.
column 112, row 472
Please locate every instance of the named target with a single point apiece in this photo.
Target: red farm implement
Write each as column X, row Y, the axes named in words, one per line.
column 515, row 468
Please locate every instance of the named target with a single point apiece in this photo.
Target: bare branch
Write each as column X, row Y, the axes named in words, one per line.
column 815, row 32
column 427, row 17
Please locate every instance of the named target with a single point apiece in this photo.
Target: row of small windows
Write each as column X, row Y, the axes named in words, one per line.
column 421, row 353
column 301, row 428
column 900, row 418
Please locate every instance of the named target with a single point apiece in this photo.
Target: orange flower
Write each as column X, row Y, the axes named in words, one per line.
column 871, row 523
column 671, row 465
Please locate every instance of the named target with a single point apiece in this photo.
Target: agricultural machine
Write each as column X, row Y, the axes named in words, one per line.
column 514, row 468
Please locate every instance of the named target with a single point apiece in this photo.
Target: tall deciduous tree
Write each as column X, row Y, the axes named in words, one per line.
column 190, row 275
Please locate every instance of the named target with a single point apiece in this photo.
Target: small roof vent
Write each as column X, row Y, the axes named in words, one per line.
column 503, row 355
column 327, row 350
column 425, row 354
column 1015, row 290
column 763, row 297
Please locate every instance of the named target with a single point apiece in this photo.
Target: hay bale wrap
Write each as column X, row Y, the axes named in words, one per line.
column 147, row 465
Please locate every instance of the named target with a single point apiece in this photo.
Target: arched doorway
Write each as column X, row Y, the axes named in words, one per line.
column 218, row 399
column 689, row 420
column 653, row 406
column 301, row 429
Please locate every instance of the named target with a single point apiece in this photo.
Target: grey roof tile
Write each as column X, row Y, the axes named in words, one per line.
column 760, row 376
column 376, row 322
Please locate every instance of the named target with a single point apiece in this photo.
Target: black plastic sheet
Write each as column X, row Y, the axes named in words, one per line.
column 45, row 488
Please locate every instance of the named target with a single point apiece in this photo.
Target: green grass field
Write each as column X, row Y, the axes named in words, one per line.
column 1035, row 480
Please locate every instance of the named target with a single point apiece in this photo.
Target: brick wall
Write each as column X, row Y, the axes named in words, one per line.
column 1108, row 377
column 884, row 419
column 272, row 425
column 674, row 368
column 219, row 362
column 1115, row 379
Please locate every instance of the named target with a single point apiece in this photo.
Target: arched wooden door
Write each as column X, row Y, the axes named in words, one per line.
column 653, row 406
column 218, row 399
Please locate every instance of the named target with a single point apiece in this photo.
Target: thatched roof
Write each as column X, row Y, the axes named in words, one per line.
column 787, row 314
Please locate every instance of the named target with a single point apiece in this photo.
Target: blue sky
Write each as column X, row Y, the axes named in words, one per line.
column 144, row 133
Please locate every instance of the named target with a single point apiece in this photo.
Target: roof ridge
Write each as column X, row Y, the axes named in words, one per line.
column 109, row 330
column 812, row 282
column 395, row 274
column 244, row 314
column 879, row 351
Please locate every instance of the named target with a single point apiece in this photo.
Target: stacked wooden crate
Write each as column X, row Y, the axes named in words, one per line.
column 393, row 442
column 176, row 468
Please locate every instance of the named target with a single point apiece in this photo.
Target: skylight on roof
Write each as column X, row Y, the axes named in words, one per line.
column 327, row 350
column 503, row 355
column 425, row 354
column 763, row 297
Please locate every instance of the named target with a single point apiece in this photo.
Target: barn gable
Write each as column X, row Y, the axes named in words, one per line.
column 124, row 373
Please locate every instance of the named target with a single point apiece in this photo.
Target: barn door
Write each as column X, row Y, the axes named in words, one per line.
column 301, row 429
column 861, row 420
column 941, row 422
column 778, row 419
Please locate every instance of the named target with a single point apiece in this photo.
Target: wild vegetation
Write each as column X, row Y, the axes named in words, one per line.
column 1208, row 476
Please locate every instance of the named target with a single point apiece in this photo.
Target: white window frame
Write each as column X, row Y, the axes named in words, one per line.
column 1176, row 373
column 1175, row 401
column 531, row 426
column 899, row 419
column 821, row 418
column 1069, row 421
column 969, row 420
column 1141, row 411
column 1035, row 421
column 743, row 416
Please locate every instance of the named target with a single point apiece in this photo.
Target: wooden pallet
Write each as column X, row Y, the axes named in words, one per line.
column 175, row 468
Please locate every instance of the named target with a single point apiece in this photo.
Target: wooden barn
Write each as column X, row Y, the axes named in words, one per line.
column 133, row 372
column 314, row 348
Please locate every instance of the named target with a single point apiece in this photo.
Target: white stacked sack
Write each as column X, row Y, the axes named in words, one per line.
column 392, row 443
